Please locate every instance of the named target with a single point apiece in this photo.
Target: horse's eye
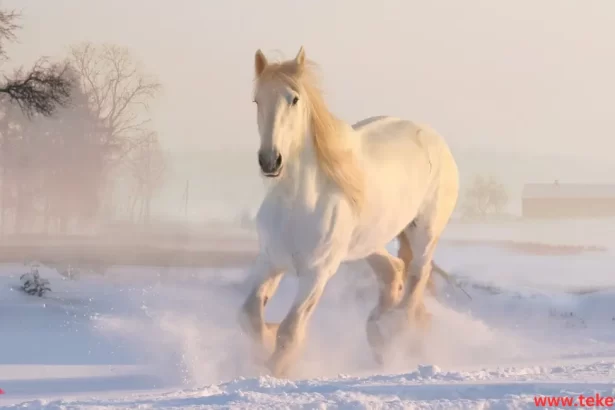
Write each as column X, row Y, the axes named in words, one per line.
column 295, row 100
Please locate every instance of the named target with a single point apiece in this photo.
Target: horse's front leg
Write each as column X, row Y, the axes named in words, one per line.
column 251, row 315
column 292, row 330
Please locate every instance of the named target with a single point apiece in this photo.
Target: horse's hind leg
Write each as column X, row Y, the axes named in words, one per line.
column 405, row 254
column 423, row 235
column 251, row 315
column 389, row 271
column 419, row 278
column 410, row 280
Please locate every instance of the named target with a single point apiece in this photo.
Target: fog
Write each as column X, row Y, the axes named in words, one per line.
column 522, row 90
column 137, row 202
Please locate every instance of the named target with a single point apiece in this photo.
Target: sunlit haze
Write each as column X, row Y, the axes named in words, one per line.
column 522, row 89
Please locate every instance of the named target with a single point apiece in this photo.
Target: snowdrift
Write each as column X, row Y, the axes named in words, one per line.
column 167, row 338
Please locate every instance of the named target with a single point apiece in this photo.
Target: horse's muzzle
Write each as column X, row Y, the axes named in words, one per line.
column 270, row 162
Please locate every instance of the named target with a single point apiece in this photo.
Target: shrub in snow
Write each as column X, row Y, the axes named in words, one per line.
column 33, row 284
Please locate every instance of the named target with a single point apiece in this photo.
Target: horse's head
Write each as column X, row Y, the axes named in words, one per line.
column 282, row 111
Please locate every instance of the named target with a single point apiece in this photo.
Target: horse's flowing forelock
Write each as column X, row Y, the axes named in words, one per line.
column 336, row 160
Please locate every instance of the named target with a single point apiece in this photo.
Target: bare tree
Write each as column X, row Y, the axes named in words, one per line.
column 118, row 91
column 485, row 196
column 38, row 90
column 51, row 167
column 147, row 165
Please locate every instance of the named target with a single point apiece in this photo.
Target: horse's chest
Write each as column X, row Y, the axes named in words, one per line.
column 277, row 233
column 294, row 237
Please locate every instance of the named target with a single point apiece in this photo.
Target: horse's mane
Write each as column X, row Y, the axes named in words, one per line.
column 334, row 159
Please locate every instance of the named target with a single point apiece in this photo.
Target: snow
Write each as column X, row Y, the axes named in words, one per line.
column 148, row 337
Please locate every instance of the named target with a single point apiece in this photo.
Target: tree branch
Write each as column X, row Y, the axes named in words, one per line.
column 7, row 29
column 119, row 90
column 40, row 91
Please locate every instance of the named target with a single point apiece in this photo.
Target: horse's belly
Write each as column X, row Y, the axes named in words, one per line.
column 397, row 182
column 381, row 227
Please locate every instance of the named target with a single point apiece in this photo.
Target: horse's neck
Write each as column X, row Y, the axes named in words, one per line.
column 304, row 179
column 302, row 173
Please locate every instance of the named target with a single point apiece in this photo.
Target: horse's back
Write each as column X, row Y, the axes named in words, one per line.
column 383, row 126
column 391, row 137
column 367, row 121
column 403, row 163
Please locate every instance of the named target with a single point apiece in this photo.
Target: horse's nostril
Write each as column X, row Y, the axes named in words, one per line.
column 270, row 161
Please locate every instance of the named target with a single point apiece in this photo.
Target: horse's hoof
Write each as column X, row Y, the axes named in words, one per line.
column 383, row 332
column 276, row 369
column 378, row 358
column 396, row 322
column 415, row 348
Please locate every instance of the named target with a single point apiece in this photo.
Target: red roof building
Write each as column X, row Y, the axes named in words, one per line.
column 558, row 200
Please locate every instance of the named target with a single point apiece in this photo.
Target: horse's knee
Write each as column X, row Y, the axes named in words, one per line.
column 390, row 295
column 390, row 273
column 250, row 315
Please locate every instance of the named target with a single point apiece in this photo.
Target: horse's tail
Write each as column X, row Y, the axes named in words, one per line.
column 436, row 268
column 446, row 277
column 405, row 254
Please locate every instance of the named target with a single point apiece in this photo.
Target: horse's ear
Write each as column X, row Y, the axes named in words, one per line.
column 260, row 62
column 300, row 59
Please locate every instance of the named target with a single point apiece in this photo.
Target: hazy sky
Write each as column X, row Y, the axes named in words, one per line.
column 531, row 77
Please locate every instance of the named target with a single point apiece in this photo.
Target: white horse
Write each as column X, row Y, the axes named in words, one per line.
column 341, row 193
